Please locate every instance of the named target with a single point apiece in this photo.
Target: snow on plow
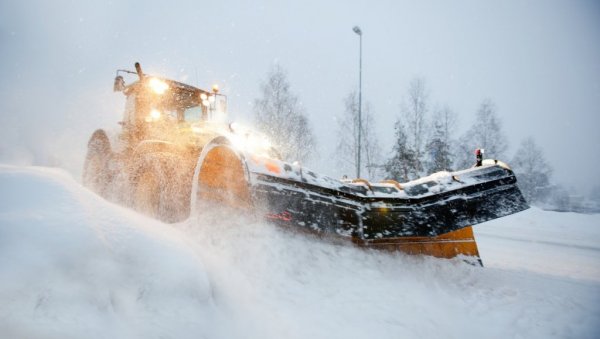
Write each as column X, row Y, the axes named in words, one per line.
column 432, row 215
column 174, row 153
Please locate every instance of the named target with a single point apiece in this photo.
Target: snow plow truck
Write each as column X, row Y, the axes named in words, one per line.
column 176, row 154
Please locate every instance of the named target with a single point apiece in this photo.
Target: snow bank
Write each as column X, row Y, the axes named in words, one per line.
column 73, row 266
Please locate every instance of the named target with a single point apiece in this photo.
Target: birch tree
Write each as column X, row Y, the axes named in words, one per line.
column 486, row 133
column 532, row 170
column 346, row 151
column 413, row 115
column 279, row 115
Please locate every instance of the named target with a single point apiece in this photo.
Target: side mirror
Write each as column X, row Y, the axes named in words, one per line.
column 119, row 85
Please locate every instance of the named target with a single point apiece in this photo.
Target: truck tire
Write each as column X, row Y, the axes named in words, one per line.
column 161, row 186
column 96, row 175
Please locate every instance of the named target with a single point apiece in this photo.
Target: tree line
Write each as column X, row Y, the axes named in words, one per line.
column 425, row 138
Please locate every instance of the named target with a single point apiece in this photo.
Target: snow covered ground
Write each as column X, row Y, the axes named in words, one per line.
column 75, row 266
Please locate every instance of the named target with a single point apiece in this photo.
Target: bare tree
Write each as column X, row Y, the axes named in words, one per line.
column 279, row 115
column 414, row 113
column 347, row 133
column 370, row 145
column 439, row 148
column 532, row 170
column 347, row 136
column 485, row 133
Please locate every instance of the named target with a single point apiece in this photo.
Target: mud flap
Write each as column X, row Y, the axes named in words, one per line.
column 221, row 179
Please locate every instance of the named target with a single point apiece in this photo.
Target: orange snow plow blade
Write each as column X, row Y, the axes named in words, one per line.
column 449, row 245
column 221, row 181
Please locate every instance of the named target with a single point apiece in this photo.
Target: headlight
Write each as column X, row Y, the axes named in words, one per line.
column 245, row 139
column 153, row 116
column 158, row 86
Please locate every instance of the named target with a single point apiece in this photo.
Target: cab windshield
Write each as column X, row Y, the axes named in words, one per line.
column 192, row 114
column 177, row 104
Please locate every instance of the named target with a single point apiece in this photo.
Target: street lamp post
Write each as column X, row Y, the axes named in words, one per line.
column 357, row 30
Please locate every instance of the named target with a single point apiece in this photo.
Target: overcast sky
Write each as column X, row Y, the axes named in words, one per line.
column 539, row 61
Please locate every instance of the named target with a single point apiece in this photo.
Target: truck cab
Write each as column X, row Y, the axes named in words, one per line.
column 166, row 110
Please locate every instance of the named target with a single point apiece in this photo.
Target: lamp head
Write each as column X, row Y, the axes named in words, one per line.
column 357, row 30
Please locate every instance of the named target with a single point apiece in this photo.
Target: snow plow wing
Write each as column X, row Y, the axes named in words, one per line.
column 431, row 215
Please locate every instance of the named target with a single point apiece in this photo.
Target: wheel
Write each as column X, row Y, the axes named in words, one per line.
column 147, row 193
column 96, row 175
column 161, row 186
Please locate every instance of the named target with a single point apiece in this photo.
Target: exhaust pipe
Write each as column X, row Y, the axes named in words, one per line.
column 138, row 69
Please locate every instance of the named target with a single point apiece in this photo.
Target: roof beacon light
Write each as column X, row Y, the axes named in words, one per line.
column 479, row 156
